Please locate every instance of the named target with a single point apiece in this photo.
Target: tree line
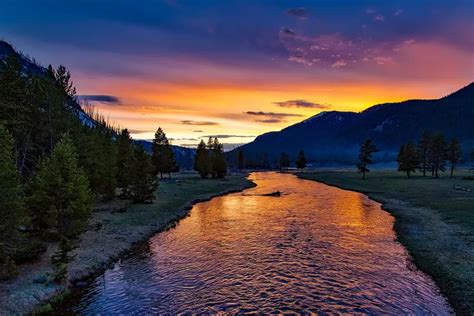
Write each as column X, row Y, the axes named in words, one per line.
column 283, row 162
column 53, row 163
column 210, row 159
column 432, row 154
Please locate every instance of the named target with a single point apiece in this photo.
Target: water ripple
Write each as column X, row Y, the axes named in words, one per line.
column 316, row 249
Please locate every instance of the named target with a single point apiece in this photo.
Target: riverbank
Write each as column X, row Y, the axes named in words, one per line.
column 434, row 222
column 114, row 228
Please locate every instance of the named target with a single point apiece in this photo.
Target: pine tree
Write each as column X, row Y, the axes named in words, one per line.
column 163, row 156
column 211, row 160
column 407, row 159
column 219, row 164
column 201, row 160
column 125, row 161
column 423, row 151
column 63, row 80
column 11, row 199
column 60, row 192
column 300, row 160
column 365, row 156
column 241, row 160
column 98, row 157
column 16, row 108
column 438, row 154
column 454, row 154
column 142, row 186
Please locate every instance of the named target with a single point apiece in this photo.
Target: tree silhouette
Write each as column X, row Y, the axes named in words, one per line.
column 300, row 160
column 423, row 151
column 454, row 154
column 163, row 157
column 365, row 156
column 202, row 160
column 407, row 159
column 438, row 154
column 219, row 164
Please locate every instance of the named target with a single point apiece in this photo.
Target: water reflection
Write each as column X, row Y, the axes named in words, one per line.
column 314, row 249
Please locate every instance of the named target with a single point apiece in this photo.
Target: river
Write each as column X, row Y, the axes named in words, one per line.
column 316, row 249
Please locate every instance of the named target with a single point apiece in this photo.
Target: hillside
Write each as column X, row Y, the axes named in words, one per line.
column 184, row 156
column 333, row 137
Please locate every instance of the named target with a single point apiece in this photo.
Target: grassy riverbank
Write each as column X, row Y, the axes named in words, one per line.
column 433, row 220
column 113, row 229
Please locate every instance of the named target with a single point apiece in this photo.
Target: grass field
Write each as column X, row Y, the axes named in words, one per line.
column 433, row 220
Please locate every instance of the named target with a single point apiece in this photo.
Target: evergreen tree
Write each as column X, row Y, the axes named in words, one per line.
column 142, row 186
column 284, row 161
column 60, row 192
column 98, row 157
column 163, row 156
column 365, row 156
column 219, row 164
column 63, row 80
column 15, row 108
column 438, row 154
column 201, row 160
column 423, row 151
column 125, row 161
column 241, row 160
column 407, row 159
column 211, row 160
column 300, row 160
column 454, row 154
column 11, row 199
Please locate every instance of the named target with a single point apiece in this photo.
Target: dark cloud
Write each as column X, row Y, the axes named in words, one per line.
column 301, row 104
column 275, row 120
column 199, row 123
column 272, row 114
column 287, row 31
column 230, row 136
column 101, row 98
column 198, row 131
column 181, row 139
column 138, row 131
column 301, row 12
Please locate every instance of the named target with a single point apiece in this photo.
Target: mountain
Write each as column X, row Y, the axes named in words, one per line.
column 29, row 65
column 331, row 138
column 184, row 156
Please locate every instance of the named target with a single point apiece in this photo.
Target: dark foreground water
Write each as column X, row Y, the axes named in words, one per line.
column 315, row 249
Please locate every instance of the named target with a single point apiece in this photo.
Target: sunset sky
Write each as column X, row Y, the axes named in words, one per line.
column 237, row 69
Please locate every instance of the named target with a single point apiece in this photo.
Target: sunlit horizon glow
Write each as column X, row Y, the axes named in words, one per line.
column 238, row 70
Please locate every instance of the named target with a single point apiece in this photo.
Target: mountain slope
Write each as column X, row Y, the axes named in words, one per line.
column 184, row 156
column 334, row 137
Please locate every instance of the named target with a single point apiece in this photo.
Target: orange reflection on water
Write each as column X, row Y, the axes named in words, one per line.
column 314, row 249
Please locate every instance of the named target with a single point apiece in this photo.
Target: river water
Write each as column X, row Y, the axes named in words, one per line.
column 314, row 249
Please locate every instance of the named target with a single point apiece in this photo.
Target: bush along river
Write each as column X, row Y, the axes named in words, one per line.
column 315, row 248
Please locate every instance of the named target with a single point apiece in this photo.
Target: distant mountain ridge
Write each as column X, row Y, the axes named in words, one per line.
column 333, row 137
column 184, row 156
